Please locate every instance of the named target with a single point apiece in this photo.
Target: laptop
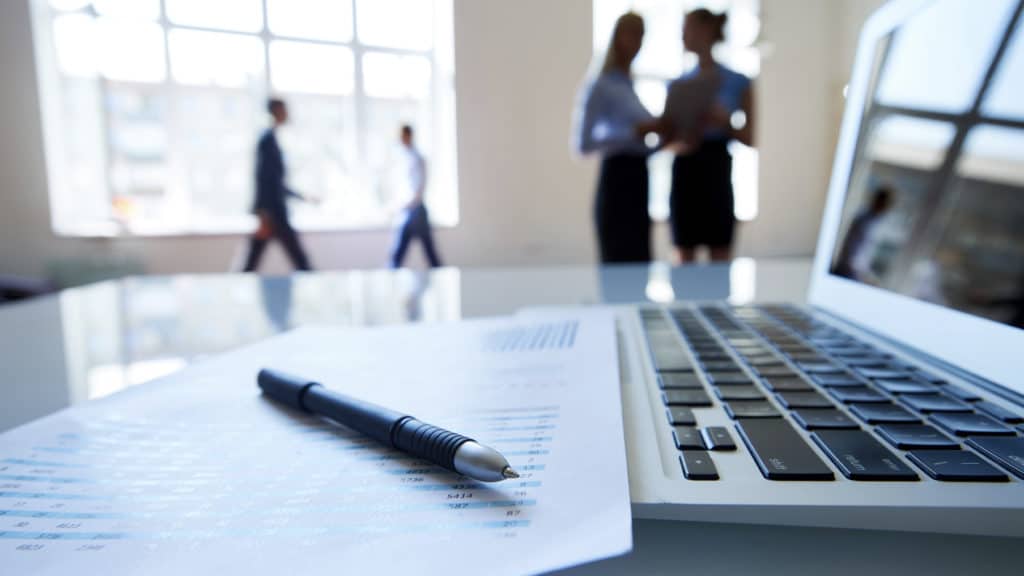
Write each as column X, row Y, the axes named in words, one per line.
column 894, row 398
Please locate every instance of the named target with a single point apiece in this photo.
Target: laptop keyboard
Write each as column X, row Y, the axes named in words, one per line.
column 775, row 369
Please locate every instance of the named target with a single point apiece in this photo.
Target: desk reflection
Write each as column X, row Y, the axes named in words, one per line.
column 93, row 341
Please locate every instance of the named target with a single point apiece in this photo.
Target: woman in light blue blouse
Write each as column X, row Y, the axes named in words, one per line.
column 613, row 122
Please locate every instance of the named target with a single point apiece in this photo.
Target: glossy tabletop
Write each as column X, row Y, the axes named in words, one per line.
column 90, row 342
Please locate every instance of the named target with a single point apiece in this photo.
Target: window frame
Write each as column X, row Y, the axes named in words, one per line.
column 442, row 80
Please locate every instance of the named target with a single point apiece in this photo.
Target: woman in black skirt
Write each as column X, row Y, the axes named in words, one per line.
column 613, row 122
column 701, row 200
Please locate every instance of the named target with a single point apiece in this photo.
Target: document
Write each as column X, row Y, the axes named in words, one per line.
column 197, row 473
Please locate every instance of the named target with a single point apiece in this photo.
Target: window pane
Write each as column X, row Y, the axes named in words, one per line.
column 74, row 38
column 138, row 152
column 406, row 24
column 994, row 154
column 69, row 4
column 311, row 68
column 394, row 76
column 1006, row 96
column 239, row 15
column 911, row 142
column 213, row 146
column 325, row 162
column 651, row 94
column 146, row 9
column 314, row 19
column 216, row 59
column 943, row 76
column 131, row 51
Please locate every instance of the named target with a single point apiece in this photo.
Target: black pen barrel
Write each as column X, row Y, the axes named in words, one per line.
column 370, row 419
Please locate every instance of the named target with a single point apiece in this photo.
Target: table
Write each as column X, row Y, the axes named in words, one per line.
column 90, row 342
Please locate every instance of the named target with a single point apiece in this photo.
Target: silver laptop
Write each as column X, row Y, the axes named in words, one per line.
column 895, row 398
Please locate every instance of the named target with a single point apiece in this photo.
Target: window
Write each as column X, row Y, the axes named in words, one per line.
column 662, row 59
column 152, row 109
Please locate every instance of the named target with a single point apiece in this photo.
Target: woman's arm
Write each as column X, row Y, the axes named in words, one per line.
column 588, row 113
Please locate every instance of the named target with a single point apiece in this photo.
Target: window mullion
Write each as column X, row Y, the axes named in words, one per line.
column 358, row 94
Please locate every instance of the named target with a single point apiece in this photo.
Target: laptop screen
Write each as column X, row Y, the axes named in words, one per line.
column 934, row 206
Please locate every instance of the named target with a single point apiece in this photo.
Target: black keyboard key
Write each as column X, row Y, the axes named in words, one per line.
column 971, row 424
column 713, row 357
column 859, row 394
column 860, row 457
column 865, row 362
column 780, row 384
column 780, row 452
column 905, row 387
column 681, row 415
column 820, row 368
column 764, row 361
column 751, row 409
column 720, row 366
column 776, row 371
column 883, row 414
column 807, row 358
column 929, row 377
column 729, row 378
column 836, row 380
column 741, row 392
column 686, row 398
column 999, row 413
column 956, row 466
column 824, row 420
column 916, row 437
column 677, row 380
column 668, row 354
column 687, row 438
column 1007, row 451
column 697, row 465
column 883, row 373
column 792, row 400
column 960, row 393
column 934, row 403
column 717, row 438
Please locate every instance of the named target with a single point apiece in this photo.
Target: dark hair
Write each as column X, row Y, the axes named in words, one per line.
column 716, row 21
column 882, row 198
column 407, row 129
column 274, row 104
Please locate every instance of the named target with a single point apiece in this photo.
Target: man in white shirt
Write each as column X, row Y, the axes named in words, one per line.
column 415, row 222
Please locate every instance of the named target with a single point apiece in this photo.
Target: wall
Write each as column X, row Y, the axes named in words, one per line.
column 524, row 200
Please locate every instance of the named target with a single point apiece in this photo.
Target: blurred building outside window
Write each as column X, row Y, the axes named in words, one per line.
column 152, row 109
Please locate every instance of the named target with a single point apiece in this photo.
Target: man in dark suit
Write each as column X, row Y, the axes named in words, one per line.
column 271, row 198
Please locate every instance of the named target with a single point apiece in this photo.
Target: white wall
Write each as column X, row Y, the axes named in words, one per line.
column 524, row 199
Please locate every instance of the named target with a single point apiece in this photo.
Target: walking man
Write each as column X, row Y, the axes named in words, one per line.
column 271, row 197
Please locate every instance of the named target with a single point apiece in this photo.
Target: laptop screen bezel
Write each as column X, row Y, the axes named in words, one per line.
column 986, row 348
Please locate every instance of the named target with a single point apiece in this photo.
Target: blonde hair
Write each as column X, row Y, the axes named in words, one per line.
column 611, row 56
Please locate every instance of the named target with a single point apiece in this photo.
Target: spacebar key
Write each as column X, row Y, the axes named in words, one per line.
column 780, row 452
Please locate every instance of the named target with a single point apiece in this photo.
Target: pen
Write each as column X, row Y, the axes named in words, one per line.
column 401, row 431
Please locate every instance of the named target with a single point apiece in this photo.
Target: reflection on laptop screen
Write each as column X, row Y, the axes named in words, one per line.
column 935, row 204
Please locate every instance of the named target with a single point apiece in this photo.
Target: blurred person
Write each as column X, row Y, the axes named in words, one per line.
column 612, row 121
column 270, row 204
column 701, row 200
column 857, row 251
column 415, row 222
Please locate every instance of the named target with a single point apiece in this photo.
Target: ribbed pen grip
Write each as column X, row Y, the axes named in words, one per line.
column 428, row 442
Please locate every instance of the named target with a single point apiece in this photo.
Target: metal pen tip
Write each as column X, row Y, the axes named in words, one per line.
column 509, row 473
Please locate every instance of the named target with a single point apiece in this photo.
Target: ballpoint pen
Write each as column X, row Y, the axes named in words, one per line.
column 394, row 429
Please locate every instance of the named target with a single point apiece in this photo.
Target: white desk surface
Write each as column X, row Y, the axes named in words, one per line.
column 92, row 341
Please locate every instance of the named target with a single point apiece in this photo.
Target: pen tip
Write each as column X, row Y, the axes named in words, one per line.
column 509, row 473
